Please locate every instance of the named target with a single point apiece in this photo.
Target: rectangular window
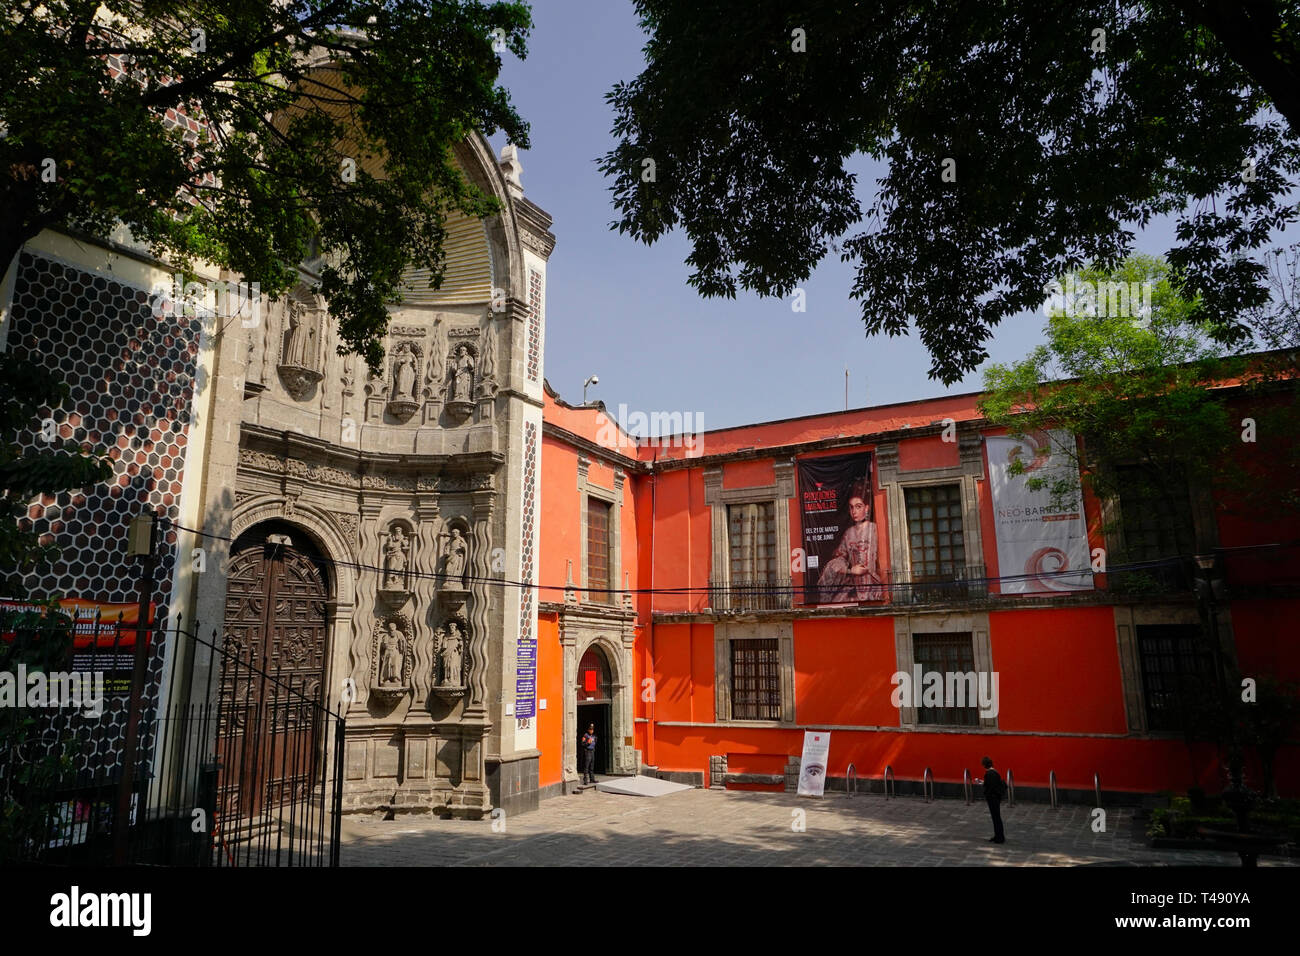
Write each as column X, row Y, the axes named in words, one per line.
column 947, row 654
column 755, row 680
column 1177, row 673
column 598, row 562
column 1156, row 516
column 751, row 542
column 934, row 533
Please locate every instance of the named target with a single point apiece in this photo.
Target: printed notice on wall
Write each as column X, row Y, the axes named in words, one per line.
column 812, row 768
column 1042, row 544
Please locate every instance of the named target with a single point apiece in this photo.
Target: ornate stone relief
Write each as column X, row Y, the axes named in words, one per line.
column 434, row 379
column 395, row 578
column 348, row 523
column 300, row 361
column 487, row 387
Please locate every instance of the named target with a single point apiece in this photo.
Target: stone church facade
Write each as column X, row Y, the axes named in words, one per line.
column 379, row 531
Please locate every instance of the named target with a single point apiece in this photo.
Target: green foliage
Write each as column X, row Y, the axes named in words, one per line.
column 33, row 766
column 26, row 389
column 286, row 92
column 1133, row 387
column 1059, row 150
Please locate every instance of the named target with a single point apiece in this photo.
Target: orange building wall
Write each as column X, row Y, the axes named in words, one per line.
column 550, row 687
column 1058, row 670
column 842, row 671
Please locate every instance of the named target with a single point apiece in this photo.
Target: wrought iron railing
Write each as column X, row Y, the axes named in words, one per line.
column 751, row 594
column 250, row 776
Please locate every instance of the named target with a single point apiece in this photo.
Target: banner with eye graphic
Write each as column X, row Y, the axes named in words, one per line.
column 1042, row 536
column 812, row 768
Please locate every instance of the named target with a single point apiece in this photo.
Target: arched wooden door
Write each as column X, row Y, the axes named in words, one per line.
column 273, row 670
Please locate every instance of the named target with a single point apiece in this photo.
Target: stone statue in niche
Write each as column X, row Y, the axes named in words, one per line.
column 463, row 372
column 455, row 556
column 392, row 655
column 404, row 374
column 299, row 351
column 299, row 345
column 396, row 550
column 451, row 654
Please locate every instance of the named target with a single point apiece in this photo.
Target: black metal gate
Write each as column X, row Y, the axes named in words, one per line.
column 268, row 731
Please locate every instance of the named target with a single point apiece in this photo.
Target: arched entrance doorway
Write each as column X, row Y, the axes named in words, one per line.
column 273, row 669
column 595, row 706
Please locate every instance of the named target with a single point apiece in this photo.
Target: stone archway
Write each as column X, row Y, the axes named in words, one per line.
column 613, row 639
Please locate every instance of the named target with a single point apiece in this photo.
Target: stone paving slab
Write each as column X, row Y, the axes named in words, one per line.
column 731, row 828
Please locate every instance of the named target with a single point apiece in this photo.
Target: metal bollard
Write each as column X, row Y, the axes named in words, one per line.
column 1051, row 789
column 927, row 785
column 891, row 788
column 1011, row 789
column 965, row 782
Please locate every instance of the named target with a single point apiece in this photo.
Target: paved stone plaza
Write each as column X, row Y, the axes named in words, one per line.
column 729, row 828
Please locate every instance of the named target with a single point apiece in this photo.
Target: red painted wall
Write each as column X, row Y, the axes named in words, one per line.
column 550, row 687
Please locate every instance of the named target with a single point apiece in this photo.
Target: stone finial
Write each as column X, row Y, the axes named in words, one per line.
column 511, row 169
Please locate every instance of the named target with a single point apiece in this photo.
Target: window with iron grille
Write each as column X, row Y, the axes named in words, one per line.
column 751, row 543
column 934, row 532
column 598, row 550
column 755, row 680
column 945, row 654
column 1156, row 518
column 1177, row 672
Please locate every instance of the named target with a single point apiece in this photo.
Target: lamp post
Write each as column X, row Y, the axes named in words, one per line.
column 593, row 380
column 142, row 543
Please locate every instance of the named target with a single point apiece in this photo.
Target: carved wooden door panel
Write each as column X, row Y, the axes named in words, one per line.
column 272, row 677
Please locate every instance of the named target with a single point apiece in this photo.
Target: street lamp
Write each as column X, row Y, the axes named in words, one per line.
column 594, row 380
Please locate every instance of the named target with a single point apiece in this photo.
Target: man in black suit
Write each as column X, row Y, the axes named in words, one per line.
column 994, row 791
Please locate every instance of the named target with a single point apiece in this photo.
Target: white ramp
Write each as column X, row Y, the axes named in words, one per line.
column 640, row 786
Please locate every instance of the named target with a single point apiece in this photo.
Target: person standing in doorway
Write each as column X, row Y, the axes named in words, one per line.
column 994, row 791
column 589, row 755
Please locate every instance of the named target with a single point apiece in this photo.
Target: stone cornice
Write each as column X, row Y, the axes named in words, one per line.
column 534, row 227
column 593, row 449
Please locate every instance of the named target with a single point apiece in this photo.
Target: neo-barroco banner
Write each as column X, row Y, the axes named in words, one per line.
column 1042, row 546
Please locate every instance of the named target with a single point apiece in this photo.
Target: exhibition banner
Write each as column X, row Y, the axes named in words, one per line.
column 840, row 542
column 1042, row 545
column 812, row 767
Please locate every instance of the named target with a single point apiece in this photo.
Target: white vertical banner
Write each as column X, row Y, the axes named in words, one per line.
column 812, row 766
column 1042, row 547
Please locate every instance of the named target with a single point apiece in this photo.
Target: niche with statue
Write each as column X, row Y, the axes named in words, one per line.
column 395, row 561
column 390, row 677
column 451, row 644
column 453, row 565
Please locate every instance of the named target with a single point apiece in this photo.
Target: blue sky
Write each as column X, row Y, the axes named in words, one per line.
column 623, row 310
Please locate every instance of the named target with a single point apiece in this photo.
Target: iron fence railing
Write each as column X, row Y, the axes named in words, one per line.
column 248, row 776
column 751, row 594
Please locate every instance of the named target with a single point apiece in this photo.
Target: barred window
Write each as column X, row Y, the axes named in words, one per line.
column 946, row 654
column 1177, row 672
column 598, row 561
column 755, row 680
column 1156, row 520
column 934, row 532
column 751, row 542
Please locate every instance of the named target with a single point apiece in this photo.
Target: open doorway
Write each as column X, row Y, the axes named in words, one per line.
column 595, row 706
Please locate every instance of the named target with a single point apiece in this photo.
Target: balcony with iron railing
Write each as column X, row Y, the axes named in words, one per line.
column 947, row 585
